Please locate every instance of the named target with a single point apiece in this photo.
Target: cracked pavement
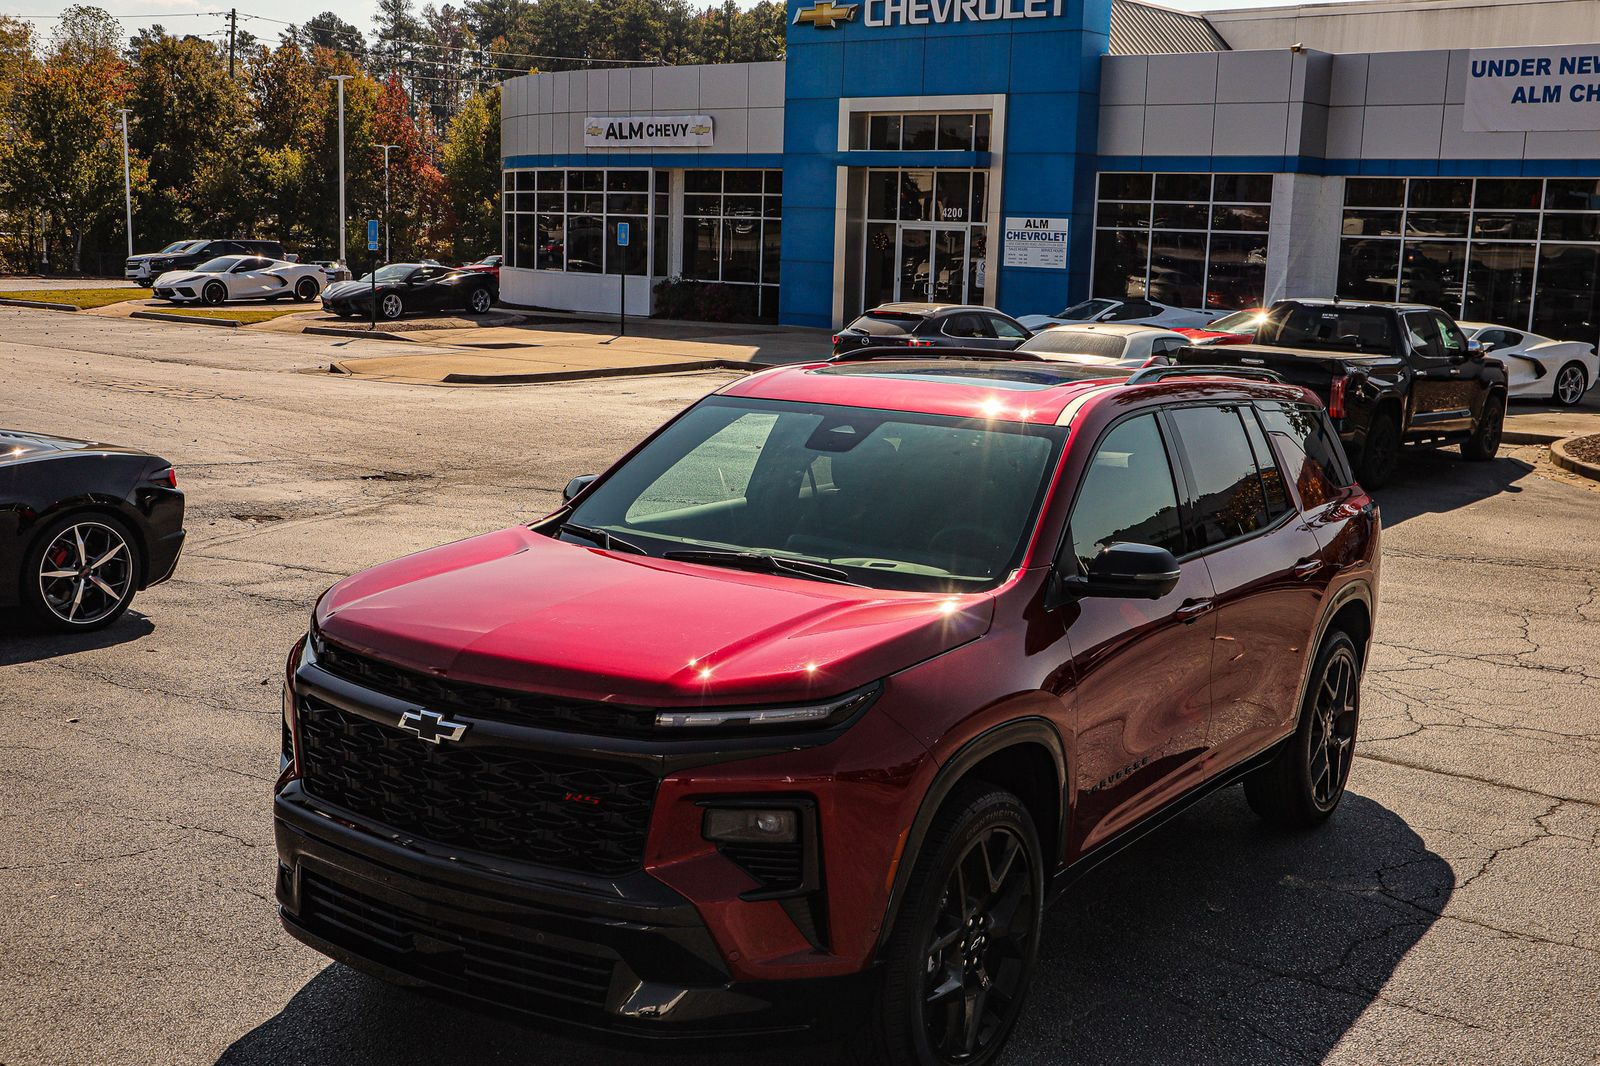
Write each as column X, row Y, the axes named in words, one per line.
column 1449, row 913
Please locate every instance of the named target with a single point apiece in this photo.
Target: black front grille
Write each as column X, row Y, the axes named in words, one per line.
column 502, row 969
column 776, row 866
column 483, row 701
column 590, row 816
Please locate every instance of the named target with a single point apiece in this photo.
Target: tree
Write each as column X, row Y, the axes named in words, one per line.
column 471, row 164
column 329, row 31
column 86, row 37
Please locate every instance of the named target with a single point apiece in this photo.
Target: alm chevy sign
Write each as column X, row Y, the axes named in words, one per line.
column 1533, row 89
column 647, row 131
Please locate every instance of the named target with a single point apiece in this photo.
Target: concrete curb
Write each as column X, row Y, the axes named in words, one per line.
column 1517, row 436
column 595, row 372
column 357, row 334
column 39, row 304
column 196, row 320
column 1572, row 464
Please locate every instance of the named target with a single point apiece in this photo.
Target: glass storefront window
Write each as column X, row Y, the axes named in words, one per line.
column 1369, row 269
column 1510, row 194
column 1499, row 283
column 1433, row 273
column 732, row 233
column 918, row 133
column 1440, row 192
column 566, row 220
column 1196, row 240
column 1567, row 304
column 1375, row 192
column 962, row 131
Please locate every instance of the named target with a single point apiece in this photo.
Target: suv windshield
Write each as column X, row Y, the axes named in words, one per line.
column 178, row 246
column 1088, row 309
column 886, row 499
column 1329, row 327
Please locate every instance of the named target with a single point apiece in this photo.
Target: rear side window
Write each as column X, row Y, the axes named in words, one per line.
column 1229, row 500
column 1311, row 456
column 1128, row 494
column 964, row 325
column 887, row 325
column 1004, row 328
column 1272, row 487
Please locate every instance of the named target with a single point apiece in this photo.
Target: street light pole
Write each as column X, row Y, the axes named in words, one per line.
column 388, row 255
column 127, row 180
column 341, row 79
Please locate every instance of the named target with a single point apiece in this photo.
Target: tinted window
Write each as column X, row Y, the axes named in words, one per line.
column 1330, row 328
column 1004, row 328
column 1229, row 500
column 217, row 266
column 1276, row 496
column 882, row 324
column 1311, row 457
column 1128, row 494
column 964, row 326
column 1422, row 334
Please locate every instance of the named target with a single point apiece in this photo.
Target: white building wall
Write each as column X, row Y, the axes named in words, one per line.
column 1387, row 25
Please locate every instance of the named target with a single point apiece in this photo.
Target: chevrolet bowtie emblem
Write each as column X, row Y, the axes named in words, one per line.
column 700, row 130
column 593, row 129
column 825, row 14
column 430, row 726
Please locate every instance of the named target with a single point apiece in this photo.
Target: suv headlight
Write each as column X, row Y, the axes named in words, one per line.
column 802, row 716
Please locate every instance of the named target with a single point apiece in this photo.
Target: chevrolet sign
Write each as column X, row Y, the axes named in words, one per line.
column 647, row 131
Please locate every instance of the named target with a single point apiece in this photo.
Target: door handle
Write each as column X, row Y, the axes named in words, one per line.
column 1307, row 567
column 1191, row 610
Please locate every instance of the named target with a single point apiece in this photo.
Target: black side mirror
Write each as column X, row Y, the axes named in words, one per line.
column 1129, row 571
column 577, row 485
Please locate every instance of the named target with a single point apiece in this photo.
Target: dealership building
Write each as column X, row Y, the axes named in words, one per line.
column 1027, row 154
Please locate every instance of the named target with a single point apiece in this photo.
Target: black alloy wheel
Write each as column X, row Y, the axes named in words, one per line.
column 306, row 290
column 1571, row 384
column 81, row 572
column 1484, row 443
column 1380, row 453
column 1306, row 779
column 214, row 293
column 958, row 964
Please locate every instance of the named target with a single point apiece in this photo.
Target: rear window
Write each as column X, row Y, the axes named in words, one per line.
column 886, row 324
column 1312, row 458
column 1074, row 342
column 1330, row 328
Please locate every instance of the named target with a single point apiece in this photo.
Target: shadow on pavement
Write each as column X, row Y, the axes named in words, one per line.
column 1436, row 480
column 1212, row 940
column 21, row 643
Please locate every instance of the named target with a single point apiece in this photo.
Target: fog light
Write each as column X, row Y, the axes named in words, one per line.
column 749, row 825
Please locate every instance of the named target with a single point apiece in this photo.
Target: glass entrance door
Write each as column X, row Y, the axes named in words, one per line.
column 933, row 264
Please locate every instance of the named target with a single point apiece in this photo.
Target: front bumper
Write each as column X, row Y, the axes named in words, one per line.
column 636, row 961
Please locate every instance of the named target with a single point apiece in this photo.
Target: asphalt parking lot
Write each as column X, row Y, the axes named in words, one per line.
column 1450, row 913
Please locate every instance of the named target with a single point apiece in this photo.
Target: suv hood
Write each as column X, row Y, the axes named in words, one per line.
column 516, row 609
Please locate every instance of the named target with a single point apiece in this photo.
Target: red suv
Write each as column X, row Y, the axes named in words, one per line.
column 811, row 701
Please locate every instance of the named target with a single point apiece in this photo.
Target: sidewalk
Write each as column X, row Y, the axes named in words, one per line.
column 1542, row 423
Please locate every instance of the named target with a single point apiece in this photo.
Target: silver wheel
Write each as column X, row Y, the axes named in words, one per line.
column 1571, row 384
column 480, row 301
column 391, row 306
column 86, row 573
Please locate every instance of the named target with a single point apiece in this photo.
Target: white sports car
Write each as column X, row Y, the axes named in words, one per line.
column 1133, row 309
column 242, row 277
column 1538, row 367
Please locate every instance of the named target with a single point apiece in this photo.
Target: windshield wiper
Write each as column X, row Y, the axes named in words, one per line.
column 605, row 538
column 761, row 563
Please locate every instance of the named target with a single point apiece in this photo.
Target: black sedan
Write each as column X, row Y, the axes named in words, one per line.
column 919, row 325
column 403, row 287
column 83, row 526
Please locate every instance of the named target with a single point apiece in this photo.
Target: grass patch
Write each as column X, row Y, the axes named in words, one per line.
column 83, row 299
column 246, row 315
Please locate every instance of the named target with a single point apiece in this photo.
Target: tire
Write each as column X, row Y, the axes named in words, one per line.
column 214, row 294
column 1304, row 782
column 306, row 290
column 1485, row 440
column 391, row 306
column 971, row 950
column 480, row 301
column 1380, row 453
column 91, row 543
column 1570, row 385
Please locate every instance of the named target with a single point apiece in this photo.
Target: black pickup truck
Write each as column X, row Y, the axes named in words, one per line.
column 1390, row 374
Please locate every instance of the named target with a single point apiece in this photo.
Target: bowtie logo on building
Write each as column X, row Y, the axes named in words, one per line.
column 826, row 15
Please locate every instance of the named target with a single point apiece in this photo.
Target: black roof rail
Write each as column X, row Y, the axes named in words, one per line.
column 905, row 351
column 1145, row 375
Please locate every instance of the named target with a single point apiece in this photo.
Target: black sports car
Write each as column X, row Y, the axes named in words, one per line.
column 403, row 287
column 83, row 526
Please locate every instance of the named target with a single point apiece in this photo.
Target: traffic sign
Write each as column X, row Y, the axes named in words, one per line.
column 622, row 234
column 372, row 235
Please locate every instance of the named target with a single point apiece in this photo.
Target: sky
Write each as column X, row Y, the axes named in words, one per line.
column 208, row 17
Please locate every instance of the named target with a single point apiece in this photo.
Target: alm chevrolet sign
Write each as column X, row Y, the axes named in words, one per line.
column 826, row 15
column 647, row 131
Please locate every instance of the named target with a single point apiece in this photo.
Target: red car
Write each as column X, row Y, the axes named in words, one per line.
column 798, row 714
column 1237, row 328
column 489, row 264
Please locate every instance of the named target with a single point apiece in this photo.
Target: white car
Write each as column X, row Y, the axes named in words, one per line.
column 1538, row 367
column 1146, row 312
column 242, row 277
column 1106, row 343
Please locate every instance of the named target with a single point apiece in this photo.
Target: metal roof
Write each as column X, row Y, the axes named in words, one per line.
column 1139, row 28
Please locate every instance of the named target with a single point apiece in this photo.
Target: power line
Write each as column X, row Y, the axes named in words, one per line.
column 353, row 34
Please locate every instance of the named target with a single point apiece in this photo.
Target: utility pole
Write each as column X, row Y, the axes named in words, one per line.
column 127, row 180
column 341, row 79
column 233, row 33
column 388, row 254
